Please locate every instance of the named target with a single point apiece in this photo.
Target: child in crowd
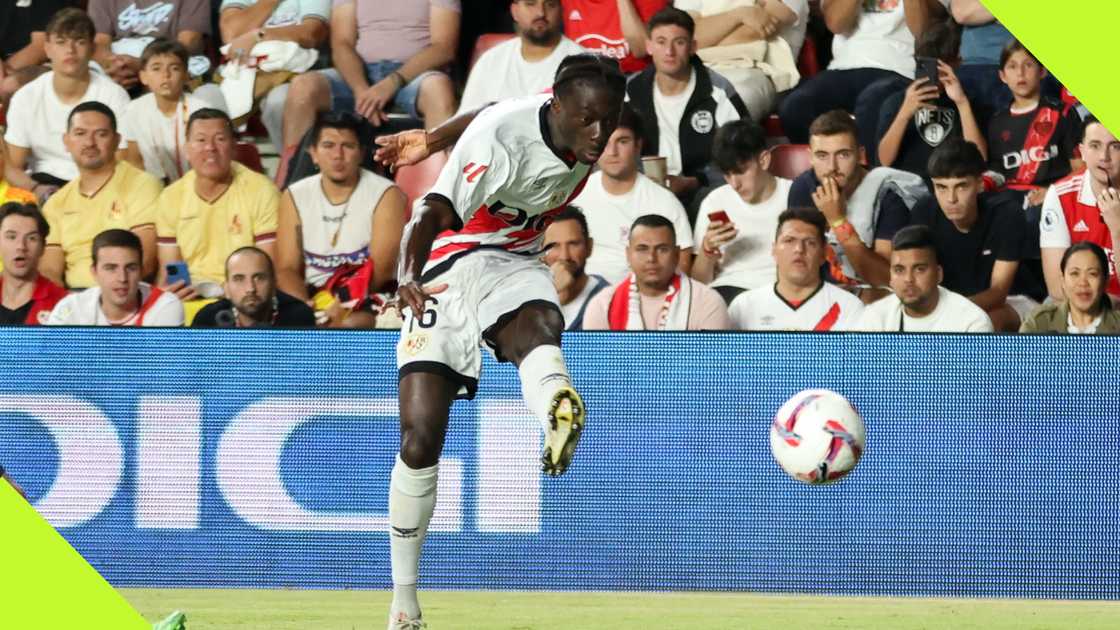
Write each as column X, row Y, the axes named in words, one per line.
column 1031, row 143
column 155, row 124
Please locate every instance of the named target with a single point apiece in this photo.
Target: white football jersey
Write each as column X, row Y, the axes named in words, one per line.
column 506, row 180
column 830, row 308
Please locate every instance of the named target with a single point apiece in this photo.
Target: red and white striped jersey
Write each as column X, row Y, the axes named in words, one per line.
column 506, row 180
column 1070, row 214
column 829, row 308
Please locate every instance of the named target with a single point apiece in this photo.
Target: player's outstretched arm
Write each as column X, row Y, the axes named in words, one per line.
column 432, row 216
column 413, row 146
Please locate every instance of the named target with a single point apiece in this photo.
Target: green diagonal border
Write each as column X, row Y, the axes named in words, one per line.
column 1077, row 41
column 45, row 583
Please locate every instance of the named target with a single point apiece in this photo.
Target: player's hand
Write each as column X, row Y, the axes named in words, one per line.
column 951, row 83
column 182, row 290
column 718, row 235
column 373, row 102
column 241, row 47
column 1036, row 196
column 1109, row 203
column 830, row 200
column 562, row 274
column 402, row 149
column 413, row 296
column 920, row 94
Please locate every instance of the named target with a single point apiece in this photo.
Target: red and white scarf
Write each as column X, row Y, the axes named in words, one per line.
column 625, row 312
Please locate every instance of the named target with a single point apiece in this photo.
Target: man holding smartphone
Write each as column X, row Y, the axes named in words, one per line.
column 737, row 221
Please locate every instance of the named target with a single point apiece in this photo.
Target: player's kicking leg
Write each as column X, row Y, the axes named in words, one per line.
column 531, row 340
column 425, row 403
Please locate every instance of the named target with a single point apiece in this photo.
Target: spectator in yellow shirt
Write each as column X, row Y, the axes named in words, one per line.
column 216, row 208
column 107, row 194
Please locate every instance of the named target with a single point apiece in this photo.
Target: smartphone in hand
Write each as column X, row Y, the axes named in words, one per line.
column 927, row 69
column 719, row 215
column 177, row 271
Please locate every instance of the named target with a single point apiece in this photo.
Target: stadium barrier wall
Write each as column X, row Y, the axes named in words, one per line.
column 261, row 459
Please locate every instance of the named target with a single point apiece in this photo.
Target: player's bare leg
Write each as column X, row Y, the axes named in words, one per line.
column 425, row 404
column 531, row 341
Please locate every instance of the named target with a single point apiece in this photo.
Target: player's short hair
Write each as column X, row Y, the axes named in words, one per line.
column 632, row 121
column 956, row 157
column 164, row 46
column 1010, row 48
column 71, row 23
column 812, row 216
column 117, row 238
column 587, row 68
column 737, row 142
column 675, row 17
column 29, row 210
column 93, row 106
column 914, row 237
column 209, row 113
column 654, row 221
column 834, row 123
column 255, row 250
column 941, row 40
column 574, row 213
column 341, row 120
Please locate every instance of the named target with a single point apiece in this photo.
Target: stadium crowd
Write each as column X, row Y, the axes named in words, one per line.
column 831, row 165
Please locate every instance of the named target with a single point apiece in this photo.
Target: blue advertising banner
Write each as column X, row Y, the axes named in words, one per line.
column 262, row 459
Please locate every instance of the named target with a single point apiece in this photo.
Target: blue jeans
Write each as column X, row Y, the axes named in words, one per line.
column 404, row 102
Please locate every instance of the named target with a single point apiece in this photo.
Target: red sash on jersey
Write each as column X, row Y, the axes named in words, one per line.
column 829, row 320
column 1042, row 129
column 625, row 311
column 148, row 303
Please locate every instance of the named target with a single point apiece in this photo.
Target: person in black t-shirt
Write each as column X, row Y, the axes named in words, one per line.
column 914, row 122
column 252, row 299
column 979, row 239
column 1031, row 143
column 22, row 26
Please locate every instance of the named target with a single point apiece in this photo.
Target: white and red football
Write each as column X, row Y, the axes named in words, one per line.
column 817, row 436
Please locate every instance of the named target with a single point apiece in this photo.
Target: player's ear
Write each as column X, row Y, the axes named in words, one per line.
column 940, row 274
column 590, row 246
column 764, row 160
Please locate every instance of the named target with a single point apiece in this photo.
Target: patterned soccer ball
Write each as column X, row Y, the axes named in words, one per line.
column 817, row 436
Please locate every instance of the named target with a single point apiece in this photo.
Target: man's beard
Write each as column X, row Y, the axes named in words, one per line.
column 547, row 38
column 257, row 314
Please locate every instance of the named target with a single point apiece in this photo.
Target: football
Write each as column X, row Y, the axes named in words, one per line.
column 817, row 436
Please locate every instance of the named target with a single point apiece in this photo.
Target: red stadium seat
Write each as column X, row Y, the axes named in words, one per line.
column 415, row 181
column 248, row 155
column 789, row 160
column 486, row 41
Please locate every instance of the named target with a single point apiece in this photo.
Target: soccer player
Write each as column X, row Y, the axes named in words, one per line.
column 470, row 273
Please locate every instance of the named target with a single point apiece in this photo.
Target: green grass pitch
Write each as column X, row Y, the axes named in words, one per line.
column 486, row 610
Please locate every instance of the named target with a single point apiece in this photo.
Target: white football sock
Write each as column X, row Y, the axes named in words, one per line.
column 543, row 372
column 412, row 499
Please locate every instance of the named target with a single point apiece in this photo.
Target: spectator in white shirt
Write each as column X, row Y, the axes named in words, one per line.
column 800, row 299
column 524, row 65
column 723, row 26
column 618, row 193
column 736, row 224
column 567, row 244
column 872, row 57
column 918, row 302
column 37, row 118
column 120, row 298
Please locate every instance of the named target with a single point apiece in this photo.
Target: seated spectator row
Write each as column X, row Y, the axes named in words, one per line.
column 962, row 138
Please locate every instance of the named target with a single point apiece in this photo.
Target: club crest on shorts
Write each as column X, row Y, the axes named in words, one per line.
column 415, row 343
column 702, row 121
